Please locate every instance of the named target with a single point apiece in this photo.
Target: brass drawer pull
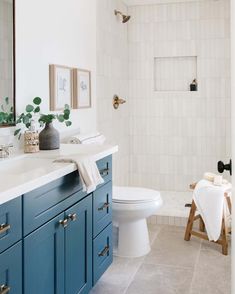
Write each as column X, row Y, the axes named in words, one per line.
column 3, row 229
column 4, row 289
column 105, row 251
column 106, row 205
column 64, row 223
column 72, row 217
column 104, row 172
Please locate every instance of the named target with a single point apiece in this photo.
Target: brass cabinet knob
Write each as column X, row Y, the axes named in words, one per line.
column 105, row 251
column 72, row 217
column 4, row 289
column 3, row 229
column 64, row 223
column 104, row 206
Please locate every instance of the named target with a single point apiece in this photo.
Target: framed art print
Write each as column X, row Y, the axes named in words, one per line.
column 82, row 88
column 61, row 86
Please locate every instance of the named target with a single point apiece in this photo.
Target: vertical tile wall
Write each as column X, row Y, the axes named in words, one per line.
column 6, row 43
column 112, row 78
column 176, row 136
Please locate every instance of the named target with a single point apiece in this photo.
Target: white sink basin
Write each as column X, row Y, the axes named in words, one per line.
column 24, row 165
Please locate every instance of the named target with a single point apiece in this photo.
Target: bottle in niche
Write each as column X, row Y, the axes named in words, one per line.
column 193, row 85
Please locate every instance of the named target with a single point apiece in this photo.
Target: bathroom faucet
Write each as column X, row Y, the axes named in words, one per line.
column 5, row 150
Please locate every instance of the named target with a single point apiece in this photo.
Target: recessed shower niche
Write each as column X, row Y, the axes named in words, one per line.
column 174, row 73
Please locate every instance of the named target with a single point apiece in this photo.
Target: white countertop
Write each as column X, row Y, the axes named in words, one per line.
column 23, row 173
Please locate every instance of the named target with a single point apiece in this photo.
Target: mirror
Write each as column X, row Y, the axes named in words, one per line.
column 7, row 62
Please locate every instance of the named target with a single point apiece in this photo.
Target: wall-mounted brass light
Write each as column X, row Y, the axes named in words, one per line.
column 117, row 101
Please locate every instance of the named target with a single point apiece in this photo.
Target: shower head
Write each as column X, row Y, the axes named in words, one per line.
column 125, row 18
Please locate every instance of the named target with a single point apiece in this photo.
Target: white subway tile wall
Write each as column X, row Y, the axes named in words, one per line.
column 176, row 136
column 112, row 78
column 166, row 139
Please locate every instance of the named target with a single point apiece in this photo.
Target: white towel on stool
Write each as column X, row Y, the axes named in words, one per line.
column 88, row 171
column 92, row 138
column 210, row 200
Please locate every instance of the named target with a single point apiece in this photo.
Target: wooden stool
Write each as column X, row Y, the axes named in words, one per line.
column 225, row 230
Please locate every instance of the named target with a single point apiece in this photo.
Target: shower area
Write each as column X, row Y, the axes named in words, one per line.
column 168, row 136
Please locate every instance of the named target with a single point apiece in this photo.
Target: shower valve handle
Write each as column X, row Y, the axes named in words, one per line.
column 117, row 101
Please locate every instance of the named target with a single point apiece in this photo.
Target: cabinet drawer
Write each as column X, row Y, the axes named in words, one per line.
column 10, row 223
column 102, row 253
column 44, row 203
column 11, row 270
column 102, row 208
column 105, row 167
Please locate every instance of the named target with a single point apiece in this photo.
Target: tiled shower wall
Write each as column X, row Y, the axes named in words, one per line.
column 176, row 136
column 112, row 78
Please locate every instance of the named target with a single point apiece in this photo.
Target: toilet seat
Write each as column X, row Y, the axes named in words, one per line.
column 134, row 195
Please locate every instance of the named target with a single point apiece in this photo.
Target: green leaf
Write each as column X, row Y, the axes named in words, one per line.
column 29, row 108
column 66, row 106
column 26, row 120
column 17, row 132
column 37, row 101
column 7, row 100
column 60, row 118
column 37, row 109
column 29, row 115
column 68, row 123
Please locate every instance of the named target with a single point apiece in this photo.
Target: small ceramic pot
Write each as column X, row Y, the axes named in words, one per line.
column 49, row 138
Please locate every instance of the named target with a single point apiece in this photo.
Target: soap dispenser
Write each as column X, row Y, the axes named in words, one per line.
column 31, row 139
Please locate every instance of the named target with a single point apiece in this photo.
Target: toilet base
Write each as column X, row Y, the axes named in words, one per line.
column 133, row 239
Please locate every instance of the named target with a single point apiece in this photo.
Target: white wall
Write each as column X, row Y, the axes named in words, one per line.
column 177, row 136
column 54, row 32
column 112, row 78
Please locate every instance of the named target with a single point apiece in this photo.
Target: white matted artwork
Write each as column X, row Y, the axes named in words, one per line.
column 61, row 86
column 82, row 88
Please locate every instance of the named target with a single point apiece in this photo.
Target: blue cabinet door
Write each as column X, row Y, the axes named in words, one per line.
column 44, row 259
column 78, row 248
column 11, row 270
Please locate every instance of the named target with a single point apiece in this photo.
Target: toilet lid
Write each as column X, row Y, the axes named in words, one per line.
column 134, row 195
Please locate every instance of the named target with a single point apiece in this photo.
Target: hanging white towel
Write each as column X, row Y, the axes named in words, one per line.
column 88, row 171
column 210, row 200
column 92, row 138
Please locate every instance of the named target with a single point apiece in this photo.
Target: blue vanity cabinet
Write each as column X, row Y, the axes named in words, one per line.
column 10, row 223
column 11, row 270
column 78, row 244
column 57, row 239
column 44, row 259
column 58, row 256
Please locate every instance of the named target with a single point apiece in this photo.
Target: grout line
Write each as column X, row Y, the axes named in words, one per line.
column 141, row 263
column 195, row 267
column 132, row 277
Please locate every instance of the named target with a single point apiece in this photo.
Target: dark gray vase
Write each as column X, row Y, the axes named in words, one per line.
column 49, row 138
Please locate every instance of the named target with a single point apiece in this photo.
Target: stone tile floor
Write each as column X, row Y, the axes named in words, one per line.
column 174, row 266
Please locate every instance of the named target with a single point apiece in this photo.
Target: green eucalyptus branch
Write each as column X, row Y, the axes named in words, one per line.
column 34, row 108
column 6, row 113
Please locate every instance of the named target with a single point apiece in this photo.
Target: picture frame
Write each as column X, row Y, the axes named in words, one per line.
column 82, row 88
column 61, row 86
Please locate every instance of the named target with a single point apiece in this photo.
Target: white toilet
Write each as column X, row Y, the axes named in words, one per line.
column 131, row 207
